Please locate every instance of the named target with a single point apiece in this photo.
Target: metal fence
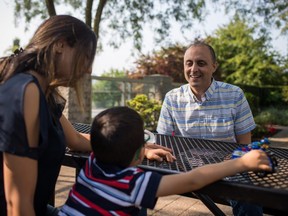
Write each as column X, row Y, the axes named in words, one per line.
column 109, row 92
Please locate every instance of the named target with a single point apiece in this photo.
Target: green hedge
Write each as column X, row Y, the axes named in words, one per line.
column 266, row 96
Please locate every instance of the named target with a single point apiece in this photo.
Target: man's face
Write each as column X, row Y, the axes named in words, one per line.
column 199, row 67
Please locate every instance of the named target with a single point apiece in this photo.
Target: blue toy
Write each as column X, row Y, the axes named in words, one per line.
column 264, row 146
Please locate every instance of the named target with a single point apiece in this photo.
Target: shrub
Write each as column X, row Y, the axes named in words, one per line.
column 275, row 97
column 285, row 94
column 149, row 110
column 266, row 119
column 259, row 132
column 272, row 115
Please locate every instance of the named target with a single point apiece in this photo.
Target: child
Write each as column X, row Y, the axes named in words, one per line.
column 111, row 184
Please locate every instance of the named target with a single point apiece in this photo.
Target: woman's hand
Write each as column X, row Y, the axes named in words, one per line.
column 158, row 152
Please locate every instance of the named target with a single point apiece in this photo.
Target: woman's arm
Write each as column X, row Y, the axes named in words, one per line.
column 20, row 177
column 20, row 173
column 75, row 140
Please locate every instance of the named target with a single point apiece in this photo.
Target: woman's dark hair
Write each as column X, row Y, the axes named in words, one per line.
column 116, row 134
column 40, row 54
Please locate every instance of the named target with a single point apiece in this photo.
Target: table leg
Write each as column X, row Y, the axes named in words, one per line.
column 208, row 202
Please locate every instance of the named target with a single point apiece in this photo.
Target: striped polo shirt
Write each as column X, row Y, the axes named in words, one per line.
column 103, row 189
column 222, row 114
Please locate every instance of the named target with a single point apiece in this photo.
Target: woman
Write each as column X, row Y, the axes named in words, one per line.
column 33, row 131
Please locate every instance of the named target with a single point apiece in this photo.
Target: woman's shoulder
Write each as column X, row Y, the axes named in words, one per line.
column 17, row 84
column 20, row 79
column 12, row 92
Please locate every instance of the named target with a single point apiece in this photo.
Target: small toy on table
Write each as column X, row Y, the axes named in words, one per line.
column 264, row 146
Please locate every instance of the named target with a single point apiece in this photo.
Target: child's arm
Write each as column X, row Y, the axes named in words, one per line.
column 207, row 174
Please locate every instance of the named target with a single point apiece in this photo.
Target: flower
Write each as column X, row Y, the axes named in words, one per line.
column 271, row 129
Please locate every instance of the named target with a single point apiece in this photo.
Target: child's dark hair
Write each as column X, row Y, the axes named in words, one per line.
column 116, row 134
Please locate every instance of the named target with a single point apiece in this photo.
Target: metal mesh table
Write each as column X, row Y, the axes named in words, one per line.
column 192, row 153
column 270, row 191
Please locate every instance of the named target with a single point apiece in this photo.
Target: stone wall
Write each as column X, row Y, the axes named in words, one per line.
column 73, row 111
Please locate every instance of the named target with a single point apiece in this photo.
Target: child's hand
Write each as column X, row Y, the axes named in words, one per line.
column 256, row 160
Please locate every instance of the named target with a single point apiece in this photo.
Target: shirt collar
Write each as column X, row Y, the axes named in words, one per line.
column 211, row 89
column 208, row 94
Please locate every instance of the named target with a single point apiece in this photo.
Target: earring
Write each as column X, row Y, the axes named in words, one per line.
column 59, row 47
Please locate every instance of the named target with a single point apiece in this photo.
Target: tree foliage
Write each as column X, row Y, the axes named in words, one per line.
column 273, row 12
column 167, row 61
column 125, row 18
column 31, row 9
column 244, row 58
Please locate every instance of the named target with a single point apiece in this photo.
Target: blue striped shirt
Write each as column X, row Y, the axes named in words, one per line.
column 222, row 114
column 108, row 190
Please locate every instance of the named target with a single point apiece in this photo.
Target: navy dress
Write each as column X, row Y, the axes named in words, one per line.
column 13, row 140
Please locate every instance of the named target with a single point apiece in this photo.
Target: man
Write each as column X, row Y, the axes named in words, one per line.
column 208, row 109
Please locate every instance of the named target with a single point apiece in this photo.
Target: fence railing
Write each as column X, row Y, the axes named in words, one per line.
column 109, row 91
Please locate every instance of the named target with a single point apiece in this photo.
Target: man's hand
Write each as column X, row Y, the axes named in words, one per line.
column 158, row 152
